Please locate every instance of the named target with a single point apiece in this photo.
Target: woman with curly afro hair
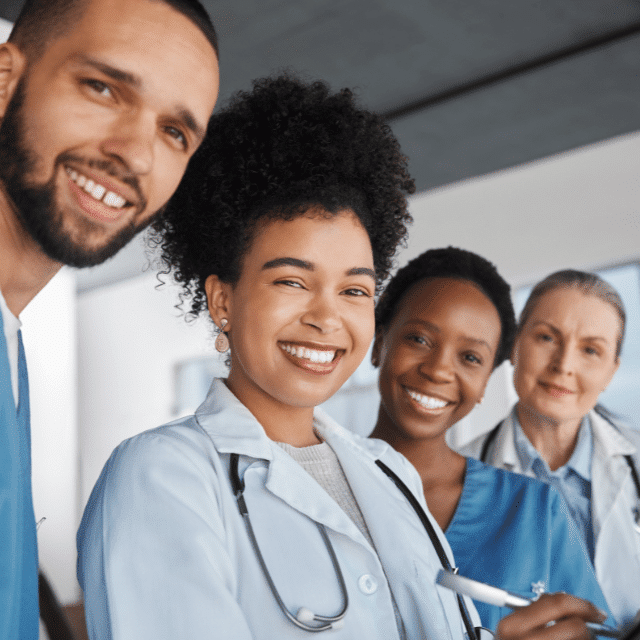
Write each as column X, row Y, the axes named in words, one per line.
column 259, row 517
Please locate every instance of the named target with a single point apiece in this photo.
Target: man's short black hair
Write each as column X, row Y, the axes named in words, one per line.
column 462, row 265
column 41, row 21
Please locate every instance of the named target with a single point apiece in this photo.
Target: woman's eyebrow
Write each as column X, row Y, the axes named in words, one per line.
column 362, row 271
column 291, row 262
column 309, row 266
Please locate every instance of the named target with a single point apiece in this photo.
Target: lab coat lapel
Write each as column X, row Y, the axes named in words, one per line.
column 611, row 473
column 234, row 429
column 504, row 450
column 291, row 483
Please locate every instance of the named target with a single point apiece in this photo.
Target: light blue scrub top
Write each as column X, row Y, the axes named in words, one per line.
column 18, row 549
column 514, row 532
column 572, row 480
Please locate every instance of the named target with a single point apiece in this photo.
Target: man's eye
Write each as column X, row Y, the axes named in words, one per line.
column 99, row 87
column 176, row 134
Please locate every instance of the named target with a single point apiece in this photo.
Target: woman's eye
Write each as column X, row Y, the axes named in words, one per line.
column 472, row 358
column 357, row 293
column 545, row 337
column 289, row 283
column 417, row 339
column 591, row 351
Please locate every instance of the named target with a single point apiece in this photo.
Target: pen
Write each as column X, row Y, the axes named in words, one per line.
column 502, row 598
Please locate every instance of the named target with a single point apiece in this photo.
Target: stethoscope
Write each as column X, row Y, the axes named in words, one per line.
column 491, row 436
column 304, row 616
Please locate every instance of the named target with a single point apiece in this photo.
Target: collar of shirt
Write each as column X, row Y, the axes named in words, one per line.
column 579, row 463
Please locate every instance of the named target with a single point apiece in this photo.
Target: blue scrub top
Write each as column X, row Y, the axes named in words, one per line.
column 514, row 532
column 18, row 548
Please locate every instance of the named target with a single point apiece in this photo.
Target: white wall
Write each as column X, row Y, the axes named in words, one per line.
column 130, row 338
column 49, row 332
column 578, row 209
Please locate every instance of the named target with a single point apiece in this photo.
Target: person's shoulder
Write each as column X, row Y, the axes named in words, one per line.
column 512, row 482
column 181, row 443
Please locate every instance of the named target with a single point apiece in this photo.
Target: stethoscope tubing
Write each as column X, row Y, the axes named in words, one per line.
column 238, row 489
column 237, row 486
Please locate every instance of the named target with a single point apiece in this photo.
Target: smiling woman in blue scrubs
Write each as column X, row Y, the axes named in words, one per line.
column 444, row 323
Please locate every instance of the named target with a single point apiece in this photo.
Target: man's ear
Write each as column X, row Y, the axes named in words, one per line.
column 218, row 299
column 12, row 66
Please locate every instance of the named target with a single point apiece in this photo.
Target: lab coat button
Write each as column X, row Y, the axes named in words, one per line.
column 368, row 584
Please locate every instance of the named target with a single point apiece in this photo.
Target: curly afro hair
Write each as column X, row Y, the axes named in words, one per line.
column 274, row 153
column 453, row 263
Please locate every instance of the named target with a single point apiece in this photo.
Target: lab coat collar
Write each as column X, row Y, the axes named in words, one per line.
column 234, row 429
column 230, row 425
column 505, row 445
column 609, row 440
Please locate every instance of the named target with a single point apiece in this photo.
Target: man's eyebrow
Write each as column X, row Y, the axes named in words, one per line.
column 112, row 72
column 135, row 81
column 190, row 122
column 291, row 262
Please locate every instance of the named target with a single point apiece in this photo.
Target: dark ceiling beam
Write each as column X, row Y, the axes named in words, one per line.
column 586, row 45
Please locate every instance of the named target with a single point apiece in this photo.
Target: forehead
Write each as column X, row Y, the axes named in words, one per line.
column 148, row 38
column 460, row 300
column 322, row 239
column 572, row 310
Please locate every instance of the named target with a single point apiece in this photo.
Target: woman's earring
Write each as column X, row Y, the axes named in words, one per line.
column 481, row 400
column 222, row 341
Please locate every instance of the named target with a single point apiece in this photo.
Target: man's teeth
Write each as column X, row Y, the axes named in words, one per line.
column 97, row 191
column 427, row 401
column 312, row 355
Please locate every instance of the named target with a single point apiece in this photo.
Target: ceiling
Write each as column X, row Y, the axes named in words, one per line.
column 469, row 87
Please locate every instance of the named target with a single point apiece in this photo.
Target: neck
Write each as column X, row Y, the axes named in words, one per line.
column 281, row 423
column 554, row 440
column 432, row 457
column 24, row 267
column 442, row 470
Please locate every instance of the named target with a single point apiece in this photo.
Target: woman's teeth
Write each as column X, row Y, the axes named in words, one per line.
column 312, row 355
column 427, row 401
column 96, row 191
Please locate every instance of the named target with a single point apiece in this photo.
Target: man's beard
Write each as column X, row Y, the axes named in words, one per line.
column 35, row 205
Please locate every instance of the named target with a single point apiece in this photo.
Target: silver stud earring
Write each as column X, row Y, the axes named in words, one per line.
column 222, row 341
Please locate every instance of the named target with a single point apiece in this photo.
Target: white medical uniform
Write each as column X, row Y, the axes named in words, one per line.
column 164, row 552
column 613, row 499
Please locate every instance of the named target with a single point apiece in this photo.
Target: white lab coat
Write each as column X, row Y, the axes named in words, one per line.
column 164, row 552
column 613, row 498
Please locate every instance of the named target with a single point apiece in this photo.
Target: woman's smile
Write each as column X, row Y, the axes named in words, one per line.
column 555, row 390
column 320, row 359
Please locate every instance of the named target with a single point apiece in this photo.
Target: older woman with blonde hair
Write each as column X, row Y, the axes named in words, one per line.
column 567, row 350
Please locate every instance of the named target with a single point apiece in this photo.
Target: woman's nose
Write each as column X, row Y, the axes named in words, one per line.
column 437, row 366
column 563, row 359
column 323, row 314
